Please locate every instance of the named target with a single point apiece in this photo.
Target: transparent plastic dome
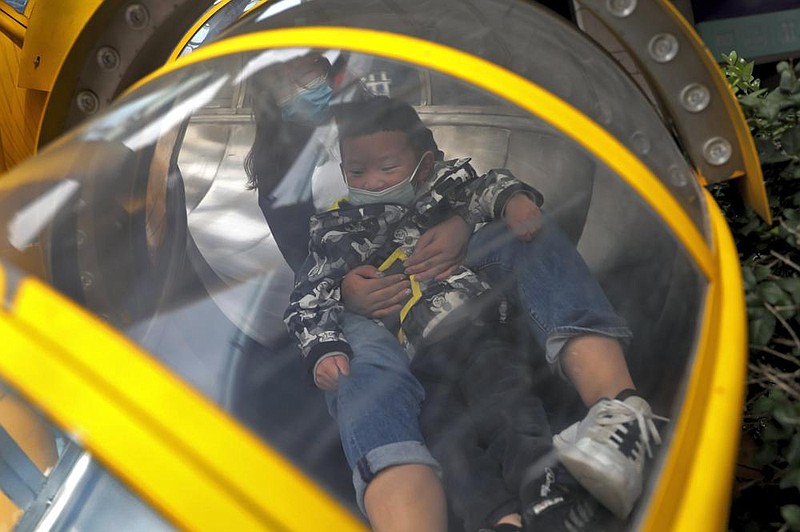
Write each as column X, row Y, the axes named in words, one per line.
column 145, row 216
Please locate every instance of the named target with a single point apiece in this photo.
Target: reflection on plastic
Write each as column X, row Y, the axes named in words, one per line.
column 29, row 221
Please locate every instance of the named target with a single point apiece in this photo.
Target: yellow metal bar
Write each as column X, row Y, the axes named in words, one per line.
column 687, row 493
column 173, row 447
column 691, row 66
column 492, row 78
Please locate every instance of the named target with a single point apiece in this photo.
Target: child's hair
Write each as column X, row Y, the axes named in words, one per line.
column 380, row 113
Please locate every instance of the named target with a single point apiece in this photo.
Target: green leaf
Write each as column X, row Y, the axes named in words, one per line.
column 775, row 433
column 761, row 272
column 766, row 454
column 762, row 329
column 772, row 293
column 790, row 141
column 778, row 395
column 788, row 415
column 763, row 405
column 791, row 479
column 792, row 287
column 791, row 514
column 748, row 276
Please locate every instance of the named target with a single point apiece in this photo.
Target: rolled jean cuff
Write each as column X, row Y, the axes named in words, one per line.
column 385, row 456
column 558, row 339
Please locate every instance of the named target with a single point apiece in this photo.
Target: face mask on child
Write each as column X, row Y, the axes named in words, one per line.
column 402, row 192
column 310, row 105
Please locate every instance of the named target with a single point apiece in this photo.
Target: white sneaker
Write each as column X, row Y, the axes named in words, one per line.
column 605, row 452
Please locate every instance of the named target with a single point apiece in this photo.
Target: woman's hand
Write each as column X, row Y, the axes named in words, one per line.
column 523, row 217
column 440, row 250
column 328, row 370
column 367, row 292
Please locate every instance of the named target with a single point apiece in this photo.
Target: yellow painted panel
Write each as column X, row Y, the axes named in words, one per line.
column 53, row 29
column 202, row 469
column 20, row 110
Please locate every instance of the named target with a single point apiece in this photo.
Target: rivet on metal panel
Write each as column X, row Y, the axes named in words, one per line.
column 87, row 280
column 620, row 8
column 107, row 58
column 663, row 47
column 640, row 143
column 137, row 16
column 717, row 151
column 678, row 176
column 87, row 101
column 603, row 113
column 695, row 97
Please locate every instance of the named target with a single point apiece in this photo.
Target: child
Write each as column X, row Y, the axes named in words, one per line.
column 573, row 320
column 388, row 157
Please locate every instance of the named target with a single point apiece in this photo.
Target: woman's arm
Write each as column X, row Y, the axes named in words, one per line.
column 370, row 293
column 440, row 250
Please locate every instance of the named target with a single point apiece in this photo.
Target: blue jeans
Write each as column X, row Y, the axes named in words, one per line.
column 551, row 282
column 483, row 422
column 377, row 405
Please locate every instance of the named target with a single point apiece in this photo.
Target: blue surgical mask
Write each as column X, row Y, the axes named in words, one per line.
column 402, row 193
column 309, row 106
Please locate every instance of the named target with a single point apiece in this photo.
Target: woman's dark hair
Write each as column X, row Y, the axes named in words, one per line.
column 381, row 113
column 277, row 142
column 276, row 145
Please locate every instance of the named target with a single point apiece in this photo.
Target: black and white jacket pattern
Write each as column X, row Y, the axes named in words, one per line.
column 349, row 236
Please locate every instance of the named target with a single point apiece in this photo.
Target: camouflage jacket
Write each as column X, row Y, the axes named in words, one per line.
column 348, row 236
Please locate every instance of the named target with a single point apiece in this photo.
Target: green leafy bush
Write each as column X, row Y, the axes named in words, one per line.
column 768, row 480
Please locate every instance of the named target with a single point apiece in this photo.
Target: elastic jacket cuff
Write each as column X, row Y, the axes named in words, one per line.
column 323, row 349
column 510, row 192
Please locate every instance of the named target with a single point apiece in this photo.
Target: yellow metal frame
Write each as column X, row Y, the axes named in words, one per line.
column 178, row 451
column 687, row 494
column 752, row 184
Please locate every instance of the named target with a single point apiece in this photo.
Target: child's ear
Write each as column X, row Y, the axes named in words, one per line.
column 425, row 166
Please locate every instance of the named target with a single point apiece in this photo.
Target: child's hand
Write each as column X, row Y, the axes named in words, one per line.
column 367, row 292
column 523, row 217
column 440, row 250
column 327, row 374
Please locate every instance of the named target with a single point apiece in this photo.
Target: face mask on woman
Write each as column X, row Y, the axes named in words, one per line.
column 402, row 192
column 309, row 105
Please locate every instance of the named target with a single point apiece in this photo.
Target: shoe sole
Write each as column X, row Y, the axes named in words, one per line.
column 594, row 476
